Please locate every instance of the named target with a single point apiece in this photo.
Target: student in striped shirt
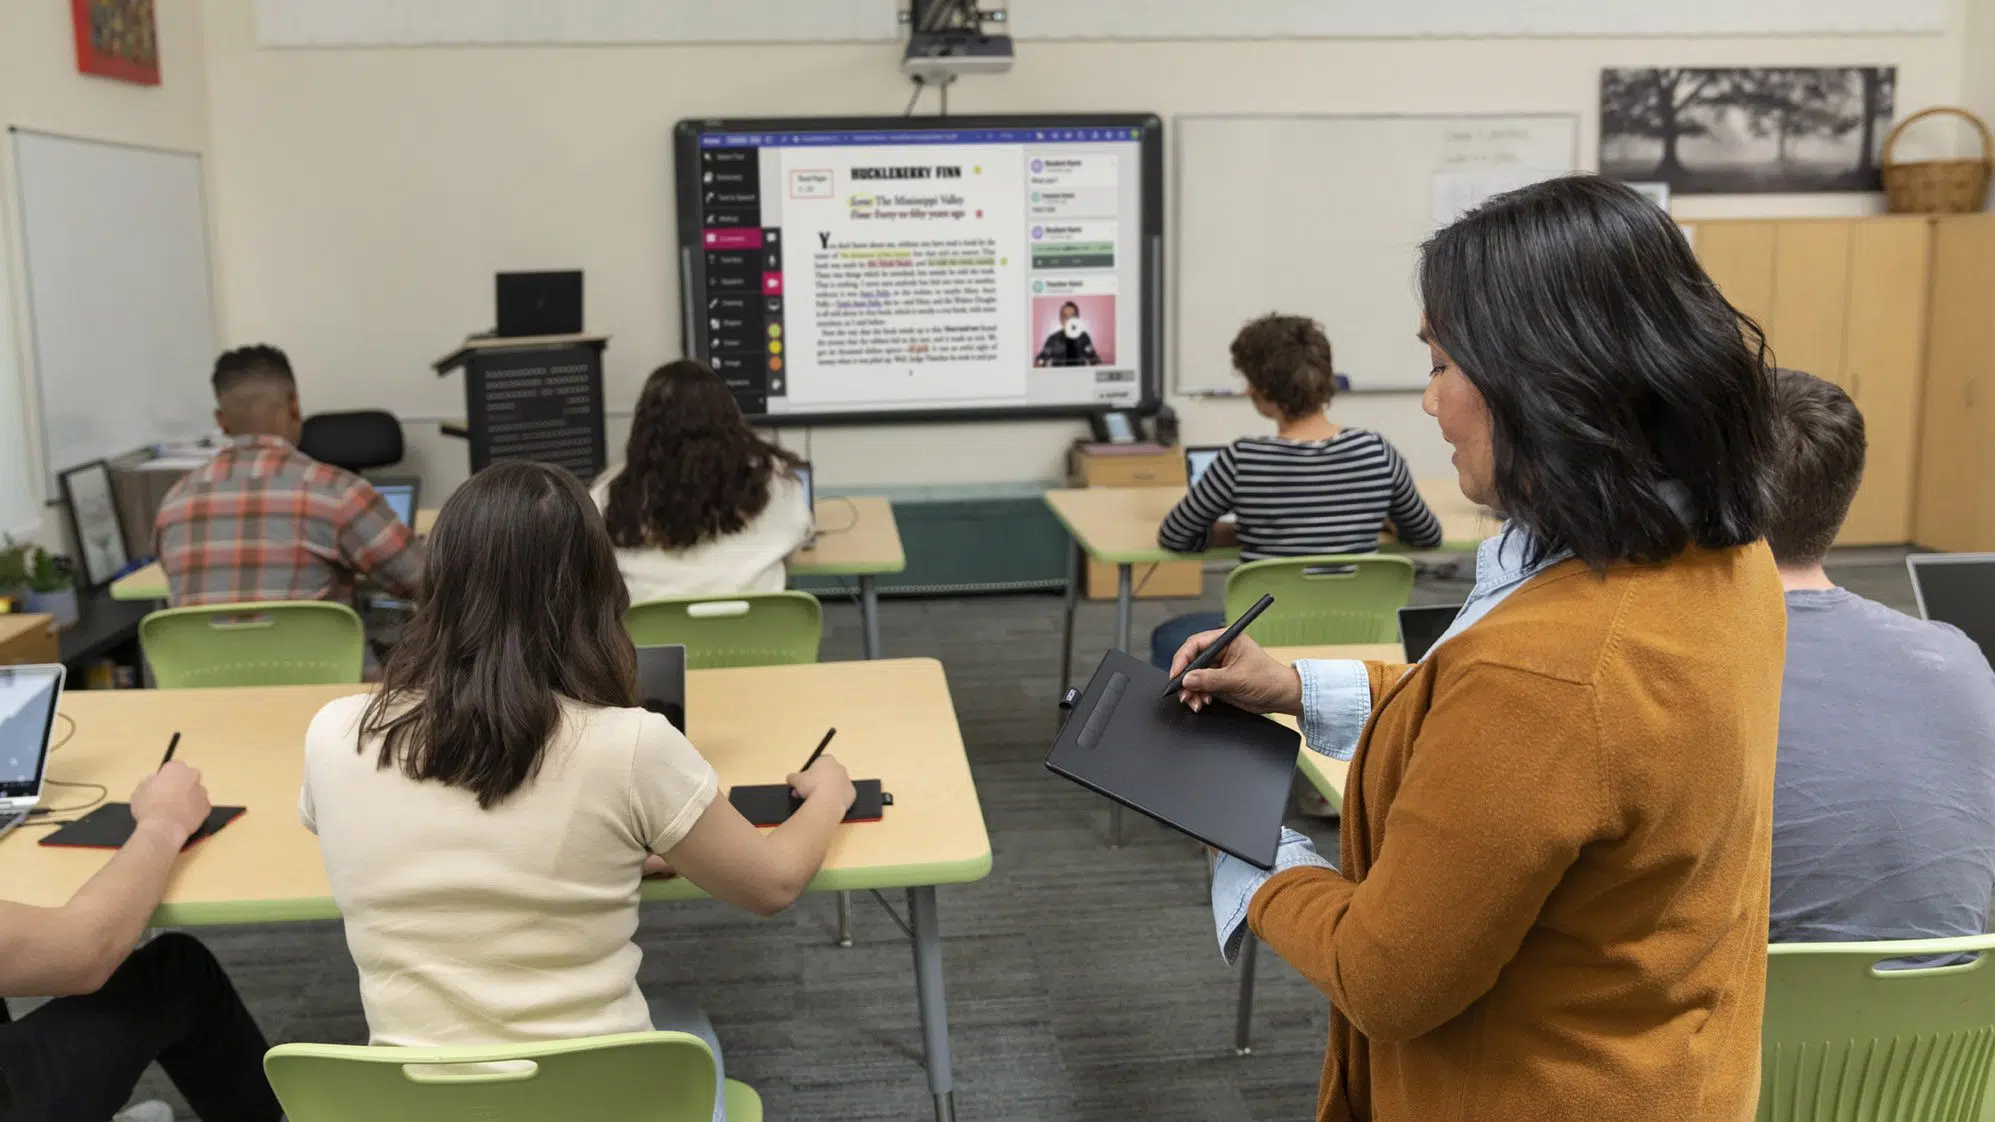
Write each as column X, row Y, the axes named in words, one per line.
column 1314, row 487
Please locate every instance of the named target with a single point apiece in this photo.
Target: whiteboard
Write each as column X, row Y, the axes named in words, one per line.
column 350, row 23
column 120, row 313
column 1292, row 19
column 1323, row 216
column 20, row 506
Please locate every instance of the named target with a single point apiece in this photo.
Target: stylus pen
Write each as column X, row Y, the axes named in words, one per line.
column 170, row 746
column 1219, row 645
column 820, row 750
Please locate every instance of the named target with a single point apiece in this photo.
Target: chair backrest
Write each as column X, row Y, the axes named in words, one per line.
column 631, row 1077
column 1847, row 1041
column 279, row 643
column 356, row 441
column 1352, row 598
column 752, row 629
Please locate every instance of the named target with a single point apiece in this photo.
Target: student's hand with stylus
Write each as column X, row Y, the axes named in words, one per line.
column 173, row 798
column 1245, row 675
column 825, row 779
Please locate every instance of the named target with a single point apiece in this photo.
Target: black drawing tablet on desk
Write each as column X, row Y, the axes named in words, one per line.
column 110, row 826
column 1221, row 775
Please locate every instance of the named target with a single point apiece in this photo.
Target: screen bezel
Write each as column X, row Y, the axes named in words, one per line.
column 1149, row 372
column 60, row 674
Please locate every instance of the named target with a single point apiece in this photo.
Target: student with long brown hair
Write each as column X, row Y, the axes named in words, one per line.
column 486, row 816
column 701, row 505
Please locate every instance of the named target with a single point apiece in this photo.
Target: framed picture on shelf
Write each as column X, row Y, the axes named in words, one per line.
column 117, row 39
column 93, row 513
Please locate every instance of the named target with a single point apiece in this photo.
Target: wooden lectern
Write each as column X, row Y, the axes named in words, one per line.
column 535, row 398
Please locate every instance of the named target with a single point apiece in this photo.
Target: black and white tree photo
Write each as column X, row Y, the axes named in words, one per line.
column 1746, row 130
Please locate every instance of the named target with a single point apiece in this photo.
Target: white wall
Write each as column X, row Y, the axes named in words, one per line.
column 41, row 89
column 365, row 196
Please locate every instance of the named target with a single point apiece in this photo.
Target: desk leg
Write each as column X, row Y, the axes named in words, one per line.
column 1124, row 607
column 928, row 994
column 845, row 919
column 869, row 612
column 1076, row 568
column 1243, row 1028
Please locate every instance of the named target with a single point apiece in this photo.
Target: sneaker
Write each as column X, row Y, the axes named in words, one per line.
column 151, row 1110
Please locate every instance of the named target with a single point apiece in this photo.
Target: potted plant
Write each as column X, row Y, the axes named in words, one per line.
column 13, row 569
column 52, row 588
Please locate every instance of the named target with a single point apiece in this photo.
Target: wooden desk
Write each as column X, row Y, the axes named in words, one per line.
column 857, row 537
column 895, row 721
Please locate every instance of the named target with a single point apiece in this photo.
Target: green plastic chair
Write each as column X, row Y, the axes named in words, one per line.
column 279, row 643
column 752, row 629
column 1846, row 1041
column 1352, row 598
column 630, row 1077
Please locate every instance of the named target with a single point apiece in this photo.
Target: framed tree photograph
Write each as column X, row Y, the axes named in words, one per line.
column 117, row 39
column 93, row 514
column 1747, row 130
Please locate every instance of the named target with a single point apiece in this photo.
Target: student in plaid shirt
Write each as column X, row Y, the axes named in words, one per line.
column 263, row 521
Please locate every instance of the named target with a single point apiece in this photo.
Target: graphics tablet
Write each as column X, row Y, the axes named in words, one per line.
column 1221, row 775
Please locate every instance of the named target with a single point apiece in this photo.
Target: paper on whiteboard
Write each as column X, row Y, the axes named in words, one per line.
column 1458, row 192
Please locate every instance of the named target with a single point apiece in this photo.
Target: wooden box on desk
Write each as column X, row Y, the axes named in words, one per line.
column 1135, row 465
column 28, row 639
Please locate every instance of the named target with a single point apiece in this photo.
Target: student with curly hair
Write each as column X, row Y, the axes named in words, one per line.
column 1314, row 487
column 701, row 505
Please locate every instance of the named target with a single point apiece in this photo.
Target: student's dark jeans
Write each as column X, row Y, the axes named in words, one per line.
column 1172, row 633
column 76, row 1059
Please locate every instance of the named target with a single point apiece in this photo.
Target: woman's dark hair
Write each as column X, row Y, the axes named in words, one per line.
column 1286, row 360
column 520, row 605
column 1070, row 304
column 694, row 469
column 1612, row 369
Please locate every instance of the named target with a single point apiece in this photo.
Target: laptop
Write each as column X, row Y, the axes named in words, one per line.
column 1198, row 460
column 402, row 493
column 28, row 700
column 1421, row 628
column 1958, row 588
column 661, row 682
column 539, row 303
column 1221, row 774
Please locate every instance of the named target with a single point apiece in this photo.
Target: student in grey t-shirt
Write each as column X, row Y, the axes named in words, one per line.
column 1884, row 791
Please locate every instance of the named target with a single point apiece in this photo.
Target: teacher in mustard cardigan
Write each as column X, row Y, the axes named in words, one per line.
column 1551, row 898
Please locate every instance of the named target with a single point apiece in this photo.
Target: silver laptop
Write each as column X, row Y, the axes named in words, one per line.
column 28, row 699
column 1958, row 588
column 1198, row 460
column 810, row 501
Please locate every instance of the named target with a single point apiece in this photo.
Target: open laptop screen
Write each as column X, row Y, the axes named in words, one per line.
column 1420, row 628
column 1197, row 459
column 1958, row 588
column 401, row 498
column 28, row 697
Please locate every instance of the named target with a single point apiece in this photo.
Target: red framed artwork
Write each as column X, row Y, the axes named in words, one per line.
column 117, row 39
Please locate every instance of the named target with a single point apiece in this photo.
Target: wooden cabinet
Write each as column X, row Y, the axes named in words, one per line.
column 1883, row 369
column 1956, row 478
column 1844, row 300
column 1125, row 466
column 28, row 639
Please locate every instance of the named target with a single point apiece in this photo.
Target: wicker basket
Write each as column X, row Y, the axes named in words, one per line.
column 1938, row 186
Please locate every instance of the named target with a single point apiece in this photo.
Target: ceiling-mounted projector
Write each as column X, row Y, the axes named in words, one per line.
column 946, row 38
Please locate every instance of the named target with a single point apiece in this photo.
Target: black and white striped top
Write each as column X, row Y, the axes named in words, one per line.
column 1296, row 498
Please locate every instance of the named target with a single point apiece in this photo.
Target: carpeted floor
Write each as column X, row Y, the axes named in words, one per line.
column 1083, row 982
